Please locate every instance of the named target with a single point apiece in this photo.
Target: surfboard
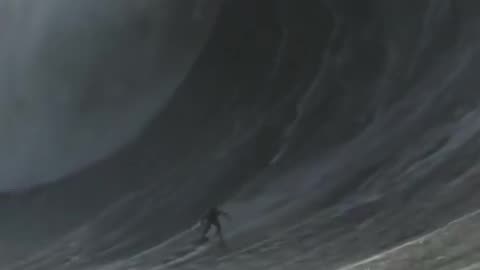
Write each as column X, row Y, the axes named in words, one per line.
column 190, row 251
column 186, row 253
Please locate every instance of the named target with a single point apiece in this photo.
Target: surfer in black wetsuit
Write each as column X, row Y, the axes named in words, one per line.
column 212, row 218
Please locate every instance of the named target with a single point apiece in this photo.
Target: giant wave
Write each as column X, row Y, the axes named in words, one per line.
column 354, row 122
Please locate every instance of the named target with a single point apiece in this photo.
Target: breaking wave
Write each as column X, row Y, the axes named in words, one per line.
column 365, row 113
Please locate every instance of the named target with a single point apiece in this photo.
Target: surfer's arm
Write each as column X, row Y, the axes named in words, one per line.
column 225, row 214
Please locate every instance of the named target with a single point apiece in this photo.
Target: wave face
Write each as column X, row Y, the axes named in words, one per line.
column 70, row 94
column 364, row 113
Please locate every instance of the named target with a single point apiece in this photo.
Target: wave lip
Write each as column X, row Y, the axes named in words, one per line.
column 71, row 95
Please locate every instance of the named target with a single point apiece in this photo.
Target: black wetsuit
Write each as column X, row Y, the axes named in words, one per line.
column 212, row 218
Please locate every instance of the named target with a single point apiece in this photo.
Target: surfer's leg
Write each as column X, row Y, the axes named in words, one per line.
column 218, row 228
column 206, row 229
column 219, row 232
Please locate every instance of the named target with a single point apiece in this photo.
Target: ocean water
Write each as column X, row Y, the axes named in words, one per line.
column 331, row 131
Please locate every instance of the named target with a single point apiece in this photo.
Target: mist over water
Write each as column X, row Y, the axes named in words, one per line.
column 78, row 79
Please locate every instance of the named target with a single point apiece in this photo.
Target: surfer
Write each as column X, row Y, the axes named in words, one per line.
column 212, row 218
